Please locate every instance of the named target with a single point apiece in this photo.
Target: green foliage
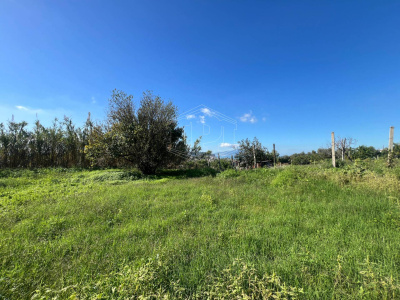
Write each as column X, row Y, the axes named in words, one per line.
column 148, row 137
column 60, row 145
column 363, row 152
column 152, row 279
column 222, row 164
column 285, row 159
column 301, row 232
column 303, row 158
column 287, row 177
column 188, row 173
column 300, row 159
column 247, row 150
column 229, row 174
column 118, row 175
column 375, row 285
column 242, row 281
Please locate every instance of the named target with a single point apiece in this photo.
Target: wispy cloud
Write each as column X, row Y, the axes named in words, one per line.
column 248, row 117
column 29, row 110
column 206, row 111
column 93, row 100
column 20, row 107
column 188, row 117
column 228, row 145
column 202, row 119
column 264, row 119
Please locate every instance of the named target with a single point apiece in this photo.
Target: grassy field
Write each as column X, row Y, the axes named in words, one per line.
column 292, row 233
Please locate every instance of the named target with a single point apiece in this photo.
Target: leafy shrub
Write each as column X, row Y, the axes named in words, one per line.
column 229, row 174
column 116, row 175
column 287, row 177
column 300, row 159
column 340, row 163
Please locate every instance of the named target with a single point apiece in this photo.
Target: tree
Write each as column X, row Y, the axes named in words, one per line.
column 301, row 158
column 344, row 145
column 285, row 159
column 324, row 153
column 148, row 138
column 248, row 148
column 363, row 152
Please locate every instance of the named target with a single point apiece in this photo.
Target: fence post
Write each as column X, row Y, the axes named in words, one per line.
column 254, row 154
column 391, row 132
column 333, row 150
column 273, row 146
column 390, row 149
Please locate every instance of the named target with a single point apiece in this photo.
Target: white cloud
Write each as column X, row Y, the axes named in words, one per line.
column 93, row 100
column 202, row 119
column 20, row 107
column 245, row 117
column 248, row 118
column 190, row 117
column 206, row 111
column 28, row 110
column 228, row 145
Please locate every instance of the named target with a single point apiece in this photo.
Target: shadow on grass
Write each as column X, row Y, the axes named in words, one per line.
column 189, row 173
column 108, row 174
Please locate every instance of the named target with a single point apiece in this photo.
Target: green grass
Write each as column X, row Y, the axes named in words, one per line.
column 304, row 232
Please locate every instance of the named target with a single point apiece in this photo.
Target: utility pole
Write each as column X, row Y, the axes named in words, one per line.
column 273, row 146
column 219, row 162
column 333, row 150
column 254, row 155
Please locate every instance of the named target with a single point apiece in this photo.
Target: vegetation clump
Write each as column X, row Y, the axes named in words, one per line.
column 298, row 232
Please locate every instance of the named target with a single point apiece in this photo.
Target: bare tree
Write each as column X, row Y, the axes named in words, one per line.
column 344, row 145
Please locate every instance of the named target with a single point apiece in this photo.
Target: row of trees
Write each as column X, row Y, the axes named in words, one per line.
column 148, row 138
column 361, row 152
column 249, row 150
column 60, row 145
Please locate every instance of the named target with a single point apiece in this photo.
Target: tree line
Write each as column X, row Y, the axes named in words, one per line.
column 60, row 145
column 352, row 153
column 147, row 137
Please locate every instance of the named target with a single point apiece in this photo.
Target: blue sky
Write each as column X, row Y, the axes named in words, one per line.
column 288, row 72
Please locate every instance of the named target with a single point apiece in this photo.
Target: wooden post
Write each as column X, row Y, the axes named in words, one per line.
column 254, row 155
column 333, row 150
column 390, row 149
column 391, row 132
column 273, row 146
